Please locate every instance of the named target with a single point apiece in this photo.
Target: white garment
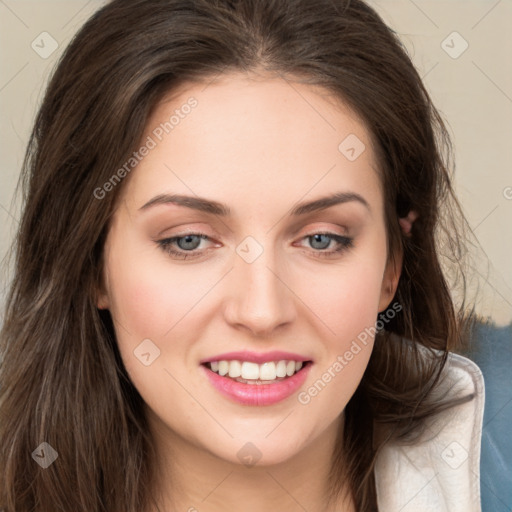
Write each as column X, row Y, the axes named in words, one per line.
column 441, row 472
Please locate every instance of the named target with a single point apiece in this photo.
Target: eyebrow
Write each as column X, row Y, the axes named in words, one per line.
column 216, row 208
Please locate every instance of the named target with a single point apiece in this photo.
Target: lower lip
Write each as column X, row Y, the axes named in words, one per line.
column 258, row 394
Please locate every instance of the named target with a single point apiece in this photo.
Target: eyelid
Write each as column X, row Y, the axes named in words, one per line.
column 190, row 229
column 327, row 231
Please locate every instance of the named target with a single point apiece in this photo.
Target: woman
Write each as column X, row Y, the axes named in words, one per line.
column 228, row 291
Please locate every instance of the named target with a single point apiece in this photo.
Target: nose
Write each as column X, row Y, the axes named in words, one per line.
column 260, row 299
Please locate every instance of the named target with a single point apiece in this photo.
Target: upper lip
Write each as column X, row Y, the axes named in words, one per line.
column 256, row 357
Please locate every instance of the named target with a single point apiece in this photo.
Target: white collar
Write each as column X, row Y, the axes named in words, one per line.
column 441, row 471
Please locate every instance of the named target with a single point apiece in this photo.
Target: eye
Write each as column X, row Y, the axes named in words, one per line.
column 187, row 245
column 321, row 241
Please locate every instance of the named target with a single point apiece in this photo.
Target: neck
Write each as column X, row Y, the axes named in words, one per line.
column 192, row 479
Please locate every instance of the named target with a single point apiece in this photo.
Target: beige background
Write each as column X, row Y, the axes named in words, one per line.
column 472, row 89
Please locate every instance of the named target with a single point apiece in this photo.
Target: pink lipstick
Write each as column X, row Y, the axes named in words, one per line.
column 251, row 378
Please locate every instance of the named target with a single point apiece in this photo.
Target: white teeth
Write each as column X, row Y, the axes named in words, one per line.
column 235, row 369
column 250, row 370
column 268, row 371
column 281, row 369
column 253, row 372
column 223, row 367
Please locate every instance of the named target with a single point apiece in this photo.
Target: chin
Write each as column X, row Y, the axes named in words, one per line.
column 258, row 451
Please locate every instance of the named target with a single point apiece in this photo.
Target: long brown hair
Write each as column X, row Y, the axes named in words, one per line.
column 62, row 380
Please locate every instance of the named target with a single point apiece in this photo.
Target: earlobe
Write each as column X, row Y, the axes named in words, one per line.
column 390, row 281
column 102, row 301
column 102, row 287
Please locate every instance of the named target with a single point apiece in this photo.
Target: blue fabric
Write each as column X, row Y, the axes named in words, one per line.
column 491, row 349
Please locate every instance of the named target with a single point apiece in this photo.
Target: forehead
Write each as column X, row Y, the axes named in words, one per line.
column 246, row 140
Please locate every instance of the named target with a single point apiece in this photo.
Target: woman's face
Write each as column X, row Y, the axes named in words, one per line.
column 250, row 274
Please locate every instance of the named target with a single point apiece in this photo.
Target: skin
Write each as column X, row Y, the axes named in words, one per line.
column 259, row 145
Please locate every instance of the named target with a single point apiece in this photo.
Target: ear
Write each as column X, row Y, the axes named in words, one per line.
column 390, row 280
column 102, row 299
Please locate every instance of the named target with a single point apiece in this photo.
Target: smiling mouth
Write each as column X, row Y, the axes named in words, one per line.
column 247, row 372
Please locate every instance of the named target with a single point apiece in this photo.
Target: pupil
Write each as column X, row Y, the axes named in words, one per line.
column 188, row 244
column 317, row 238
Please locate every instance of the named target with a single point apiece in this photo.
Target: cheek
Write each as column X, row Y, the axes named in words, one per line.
column 346, row 299
column 149, row 295
column 348, row 306
column 148, row 299
column 138, row 300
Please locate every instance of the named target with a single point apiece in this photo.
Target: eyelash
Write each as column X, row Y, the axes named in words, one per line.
column 166, row 245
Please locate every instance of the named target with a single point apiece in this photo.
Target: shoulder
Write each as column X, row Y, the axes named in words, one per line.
column 441, row 470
